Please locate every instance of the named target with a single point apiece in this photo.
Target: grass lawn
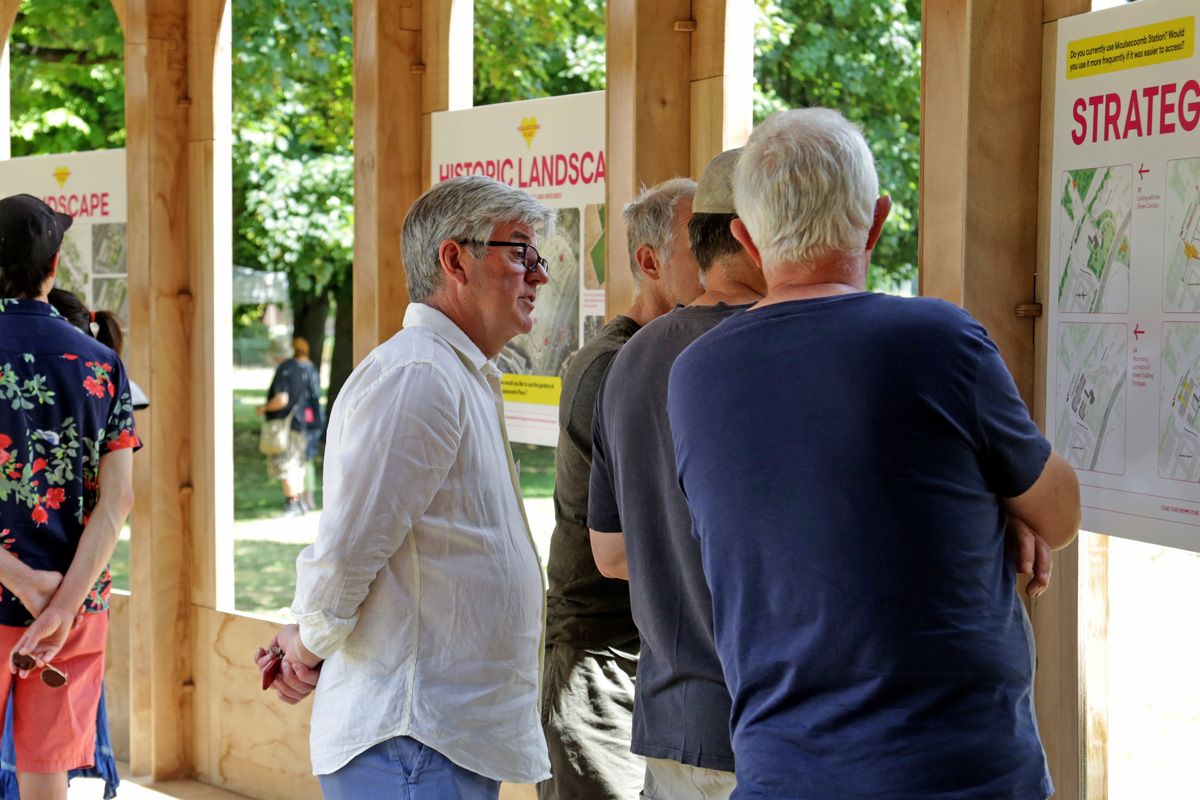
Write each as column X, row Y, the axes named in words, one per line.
column 254, row 496
column 537, row 470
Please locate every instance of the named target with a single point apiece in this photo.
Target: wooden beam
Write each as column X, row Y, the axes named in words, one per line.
column 722, row 90
column 943, row 131
column 160, row 311
column 1057, row 9
column 8, row 15
column 210, row 232
column 649, row 91
column 387, row 179
column 119, row 6
column 411, row 58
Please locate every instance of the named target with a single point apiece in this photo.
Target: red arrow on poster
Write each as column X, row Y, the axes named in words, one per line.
column 1142, row 171
column 1137, row 332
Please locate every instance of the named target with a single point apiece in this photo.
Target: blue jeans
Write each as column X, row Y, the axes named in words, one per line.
column 404, row 769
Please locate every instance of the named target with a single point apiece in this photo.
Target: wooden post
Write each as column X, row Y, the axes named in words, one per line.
column 722, row 90
column 679, row 81
column 210, row 231
column 178, row 305
column 411, row 58
column 8, row 15
column 984, row 245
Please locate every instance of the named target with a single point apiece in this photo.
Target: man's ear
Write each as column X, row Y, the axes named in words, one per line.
column 450, row 258
column 647, row 261
column 739, row 231
column 54, row 266
column 883, row 207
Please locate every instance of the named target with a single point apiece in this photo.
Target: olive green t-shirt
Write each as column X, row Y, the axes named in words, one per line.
column 583, row 608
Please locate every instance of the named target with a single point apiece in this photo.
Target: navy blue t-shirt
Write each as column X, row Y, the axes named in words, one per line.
column 844, row 460
column 681, row 705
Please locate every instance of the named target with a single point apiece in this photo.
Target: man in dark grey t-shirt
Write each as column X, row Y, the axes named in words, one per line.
column 591, row 640
column 640, row 525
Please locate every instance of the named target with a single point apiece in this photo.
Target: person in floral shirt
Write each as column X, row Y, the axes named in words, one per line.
column 66, row 486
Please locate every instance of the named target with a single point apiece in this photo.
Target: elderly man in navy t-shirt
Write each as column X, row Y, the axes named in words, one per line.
column 852, row 462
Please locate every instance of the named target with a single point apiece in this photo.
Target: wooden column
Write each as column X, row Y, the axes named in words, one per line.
column 722, row 90
column 210, row 234
column 411, row 58
column 983, row 158
column 679, row 81
column 178, row 309
column 8, row 15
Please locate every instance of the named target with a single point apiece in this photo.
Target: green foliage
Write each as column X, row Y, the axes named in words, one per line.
column 537, row 48
column 862, row 57
column 293, row 114
column 68, row 77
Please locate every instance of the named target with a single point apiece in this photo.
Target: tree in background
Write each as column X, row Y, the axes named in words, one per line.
column 293, row 164
column 293, row 110
column 862, row 57
column 68, row 78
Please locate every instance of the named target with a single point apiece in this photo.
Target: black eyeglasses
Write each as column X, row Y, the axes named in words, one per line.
column 529, row 253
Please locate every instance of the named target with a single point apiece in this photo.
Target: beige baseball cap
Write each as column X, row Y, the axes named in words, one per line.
column 714, row 193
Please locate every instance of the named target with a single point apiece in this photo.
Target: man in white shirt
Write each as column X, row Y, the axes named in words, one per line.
column 422, row 598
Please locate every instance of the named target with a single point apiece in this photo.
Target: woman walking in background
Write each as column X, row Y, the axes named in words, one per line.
column 295, row 393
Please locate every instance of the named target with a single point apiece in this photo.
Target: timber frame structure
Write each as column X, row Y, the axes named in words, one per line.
column 182, row 689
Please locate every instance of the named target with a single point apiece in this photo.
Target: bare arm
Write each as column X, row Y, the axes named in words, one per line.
column 1051, row 505
column 276, row 402
column 46, row 636
column 33, row 587
column 609, row 551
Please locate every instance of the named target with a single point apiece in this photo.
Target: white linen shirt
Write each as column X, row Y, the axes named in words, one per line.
column 423, row 591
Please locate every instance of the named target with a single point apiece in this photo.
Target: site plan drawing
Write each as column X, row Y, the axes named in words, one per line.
column 1097, row 205
column 1092, row 368
column 1181, row 246
column 1179, row 433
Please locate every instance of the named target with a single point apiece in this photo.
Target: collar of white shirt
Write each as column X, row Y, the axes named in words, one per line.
column 421, row 315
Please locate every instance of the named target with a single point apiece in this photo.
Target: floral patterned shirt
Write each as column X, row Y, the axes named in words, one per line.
column 64, row 403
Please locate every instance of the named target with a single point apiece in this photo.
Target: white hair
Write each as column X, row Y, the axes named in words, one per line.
column 805, row 186
column 648, row 219
column 464, row 209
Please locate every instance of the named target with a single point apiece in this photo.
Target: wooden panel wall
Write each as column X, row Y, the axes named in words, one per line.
column 984, row 245
column 411, row 58
column 679, row 81
column 253, row 744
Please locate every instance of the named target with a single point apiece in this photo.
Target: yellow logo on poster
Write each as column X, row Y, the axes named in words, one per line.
column 528, row 129
column 61, row 174
column 542, row 390
column 1134, row 47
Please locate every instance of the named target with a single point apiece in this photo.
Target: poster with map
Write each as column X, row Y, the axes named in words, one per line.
column 552, row 148
column 1122, row 388
column 91, row 188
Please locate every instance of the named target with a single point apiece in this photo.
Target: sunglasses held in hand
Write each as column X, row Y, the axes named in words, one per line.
column 52, row 676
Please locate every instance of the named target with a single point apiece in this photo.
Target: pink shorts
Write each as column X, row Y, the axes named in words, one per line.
column 54, row 730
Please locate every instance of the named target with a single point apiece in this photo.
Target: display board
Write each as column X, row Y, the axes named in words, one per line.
column 1123, row 333
column 552, row 148
column 91, row 188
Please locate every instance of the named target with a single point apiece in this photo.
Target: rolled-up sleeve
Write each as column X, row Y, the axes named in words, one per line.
column 390, row 448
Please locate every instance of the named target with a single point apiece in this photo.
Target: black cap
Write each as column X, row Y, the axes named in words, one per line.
column 30, row 231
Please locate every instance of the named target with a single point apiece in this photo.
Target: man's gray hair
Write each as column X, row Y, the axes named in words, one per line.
column 805, row 186
column 466, row 209
column 649, row 218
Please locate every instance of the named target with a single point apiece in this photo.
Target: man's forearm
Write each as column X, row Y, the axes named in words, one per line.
column 95, row 550
column 15, row 574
